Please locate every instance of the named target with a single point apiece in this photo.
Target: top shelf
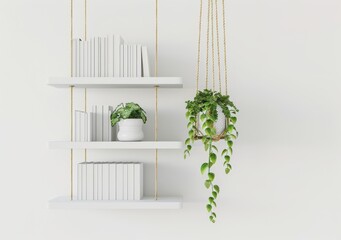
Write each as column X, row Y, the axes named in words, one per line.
column 111, row 82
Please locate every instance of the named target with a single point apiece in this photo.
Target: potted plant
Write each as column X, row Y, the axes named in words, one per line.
column 130, row 117
column 202, row 114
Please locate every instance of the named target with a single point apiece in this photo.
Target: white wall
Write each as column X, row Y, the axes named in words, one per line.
column 284, row 61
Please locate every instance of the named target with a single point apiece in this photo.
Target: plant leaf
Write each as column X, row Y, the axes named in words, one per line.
column 224, row 152
column 230, row 143
column 214, row 194
column 211, row 176
column 216, row 188
column 203, row 168
column 227, row 158
column 209, row 207
column 233, row 120
column 230, row 128
column 213, row 157
column 207, row 184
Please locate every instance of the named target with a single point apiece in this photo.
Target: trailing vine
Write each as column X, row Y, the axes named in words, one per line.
column 204, row 110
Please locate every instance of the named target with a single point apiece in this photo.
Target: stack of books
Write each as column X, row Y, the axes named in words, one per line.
column 109, row 56
column 94, row 125
column 110, row 181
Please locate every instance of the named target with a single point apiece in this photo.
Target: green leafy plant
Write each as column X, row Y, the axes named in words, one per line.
column 128, row 111
column 203, row 109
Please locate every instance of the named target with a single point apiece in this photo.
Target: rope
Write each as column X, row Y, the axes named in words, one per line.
column 199, row 48
column 156, row 98
column 207, row 40
column 212, row 23
column 71, row 102
column 224, row 27
column 218, row 47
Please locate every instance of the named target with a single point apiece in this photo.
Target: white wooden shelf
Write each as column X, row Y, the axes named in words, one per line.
column 145, row 203
column 121, row 82
column 116, row 145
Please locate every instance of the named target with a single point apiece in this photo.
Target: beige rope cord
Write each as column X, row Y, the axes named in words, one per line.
column 71, row 102
column 85, row 90
column 156, row 180
column 213, row 42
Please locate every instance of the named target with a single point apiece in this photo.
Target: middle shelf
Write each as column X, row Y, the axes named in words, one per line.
column 116, row 145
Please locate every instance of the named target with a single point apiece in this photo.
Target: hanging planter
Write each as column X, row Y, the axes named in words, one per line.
column 211, row 114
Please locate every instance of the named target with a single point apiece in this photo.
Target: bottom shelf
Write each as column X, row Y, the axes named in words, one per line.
column 145, row 203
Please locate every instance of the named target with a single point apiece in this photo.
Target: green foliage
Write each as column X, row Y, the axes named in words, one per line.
column 204, row 107
column 128, row 111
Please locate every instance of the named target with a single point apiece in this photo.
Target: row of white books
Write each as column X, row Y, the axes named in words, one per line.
column 109, row 57
column 110, row 181
column 94, row 125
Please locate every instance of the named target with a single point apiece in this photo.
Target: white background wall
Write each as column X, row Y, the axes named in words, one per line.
column 284, row 61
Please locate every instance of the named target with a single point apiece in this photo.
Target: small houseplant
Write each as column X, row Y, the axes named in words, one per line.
column 204, row 110
column 130, row 117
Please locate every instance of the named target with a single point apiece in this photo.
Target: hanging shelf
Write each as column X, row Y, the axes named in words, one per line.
column 111, row 82
column 145, row 203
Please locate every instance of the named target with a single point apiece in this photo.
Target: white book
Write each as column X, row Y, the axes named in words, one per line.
column 119, row 181
column 100, row 181
column 102, row 62
column 118, row 41
column 74, row 57
column 135, row 60
column 79, row 182
column 125, row 181
column 107, row 56
column 81, row 128
column 91, row 57
column 96, row 57
column 139, row 61
column 75, row 126
column 111, row 56
column 129, row 61
column 94, row 123
column 138, row 181
column 84, row 183
column 145, row 62
column 131, row 181
column 89, row 181
column 105, row 123
column 110, row 128
column 89, row 127
column 121, row 61
column 99, row 123
column 125, row 64
column 85, row 137
column 81, row 58
column 96, row 181
column 112, row 181
column 106, row 180
column 88, row 58
column 85, row 58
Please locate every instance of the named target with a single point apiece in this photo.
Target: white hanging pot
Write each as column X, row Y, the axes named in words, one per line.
column 130, row 130
column 220, row 124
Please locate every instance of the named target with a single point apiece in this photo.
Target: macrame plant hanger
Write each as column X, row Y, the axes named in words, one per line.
column 213, row 49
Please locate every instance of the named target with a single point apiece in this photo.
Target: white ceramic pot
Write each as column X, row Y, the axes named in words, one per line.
column 220, row 125
column 130, row 130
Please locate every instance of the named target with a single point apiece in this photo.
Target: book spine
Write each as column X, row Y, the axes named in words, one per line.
column 145, row 62
column 110, row 129
column 81, row 128
column 89, row 127
column 100, row 181
column 85, row 58
column 79, row 182
column 94, row 123
column 112, row 181
column 131, row 181
column 106, row 180
column 125, row 61
column 74, row 57
column 138, row 181
column 96, row 57
column 135, row 60
column 102, row 48
column 96, row 181
column 89, row 181
column 81, row 58
column 90, row 58
column 139, row 60
column 121, row 61
column 125, row 181
column 84, row 182
column 105, row 123
column 119, row 179
column 107, row 56
column 99, row 123
column 111, row 56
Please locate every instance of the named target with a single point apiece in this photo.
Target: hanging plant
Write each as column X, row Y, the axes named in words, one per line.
column 212, row 115
column 203, row 111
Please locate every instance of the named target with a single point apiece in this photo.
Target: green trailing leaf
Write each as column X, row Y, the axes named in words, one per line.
column 227, row 158
column 209, row 207
column 214, row 148
column 211, row 199
column 230, row 128
column 216, row 188
column 203, row 168
column 188, row 141
column 233, row 119
column 207, row 183
column 213, row 214
column 224, row 152
column 227, row 170
column 231, row 150
column 212, row 219
column 214, row 194
column 211, row 176
column 202, row 117
column 214, row 204
column 213, row 157
column 189, row 147
column 230, row 144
